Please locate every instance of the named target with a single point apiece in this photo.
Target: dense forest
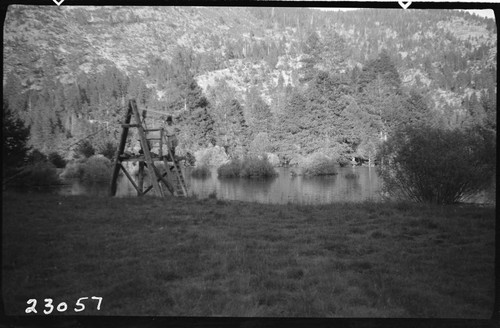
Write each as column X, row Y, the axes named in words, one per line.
column 284, row 81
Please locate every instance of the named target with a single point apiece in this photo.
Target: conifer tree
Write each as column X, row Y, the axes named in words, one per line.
column 15, row 138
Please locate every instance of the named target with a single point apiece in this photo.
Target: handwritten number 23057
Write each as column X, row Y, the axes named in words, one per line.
column 61, row 307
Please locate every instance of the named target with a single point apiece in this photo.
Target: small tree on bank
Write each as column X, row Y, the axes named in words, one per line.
column 427, row 164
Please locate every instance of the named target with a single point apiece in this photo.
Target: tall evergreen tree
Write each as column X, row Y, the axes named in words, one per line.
column 15, row 138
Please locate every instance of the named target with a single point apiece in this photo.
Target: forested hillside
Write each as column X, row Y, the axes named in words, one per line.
column 285, row 81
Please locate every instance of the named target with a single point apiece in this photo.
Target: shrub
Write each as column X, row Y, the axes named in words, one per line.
column 73, row 170
column 37, row 156
column 315, row 164
column 249, row 167
column 426, row 164
column 212, row 156
column 273, row 159
column 39, row 174
column 256, row 167
column 97, row 168
column 85, row 149
column 108, row 150
column 201, row 172
column 57, row 160
column 15, row 137
column 230, row 170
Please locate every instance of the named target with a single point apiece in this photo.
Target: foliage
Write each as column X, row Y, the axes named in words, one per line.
column 201, row 172
column 427, row 164
column 273, row 159
column 259, row 111
column 343, row 55
column 211, row 156
column 260, row 144
column 249, row 167
column 36, row 156
column 97, row 168
column 381, row 68
column 108, row 150
column 39, row 174
column 235, row 133
column 73, row 170
column 315, row 164
column 85, row 149
column 15, row 137
column 230, row 170
column 56, row 159
column 257, row 167
column 367, row 150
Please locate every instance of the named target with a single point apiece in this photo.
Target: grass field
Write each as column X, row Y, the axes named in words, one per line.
column 189, row 257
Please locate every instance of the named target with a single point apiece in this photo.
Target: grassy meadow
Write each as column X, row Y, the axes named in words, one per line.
column 190, row 257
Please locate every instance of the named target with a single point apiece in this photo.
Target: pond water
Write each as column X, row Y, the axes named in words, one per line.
column 351, row 184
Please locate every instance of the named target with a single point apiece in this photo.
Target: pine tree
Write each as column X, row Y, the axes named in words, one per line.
column 415, row 111
column 236, row 134
column 15, row 139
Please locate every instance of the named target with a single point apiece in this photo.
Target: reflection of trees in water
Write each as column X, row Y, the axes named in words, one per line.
column 251, row 189
column 353, row 187
column 201, row 186
column 314, row 189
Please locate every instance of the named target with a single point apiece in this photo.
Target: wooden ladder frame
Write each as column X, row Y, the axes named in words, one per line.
column 159, row 182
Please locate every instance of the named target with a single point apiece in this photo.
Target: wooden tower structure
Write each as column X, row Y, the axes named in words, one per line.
column 167, row 180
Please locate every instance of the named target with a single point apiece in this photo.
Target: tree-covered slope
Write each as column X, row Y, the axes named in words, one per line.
column 295, row 81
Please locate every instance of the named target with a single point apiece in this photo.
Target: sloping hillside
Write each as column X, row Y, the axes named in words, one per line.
column 67, row 66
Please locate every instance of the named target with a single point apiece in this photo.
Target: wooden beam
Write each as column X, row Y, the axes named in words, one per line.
column 120, row 150
column 141, row 179
column 145, row 148
column 131, row 179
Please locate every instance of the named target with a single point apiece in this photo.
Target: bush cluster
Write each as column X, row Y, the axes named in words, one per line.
column 56, row 159
column 315, row 164
column 97, row 168
column 425, row 164
column 212, row 156
column 39, row 174
column 249, row 167
column 201, row 172
column 85, row 149
column 108, row 150
column 73, row 170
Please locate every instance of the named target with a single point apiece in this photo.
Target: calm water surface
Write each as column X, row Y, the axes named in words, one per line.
column 282, row 189
column 279, row 190
column 300, row 190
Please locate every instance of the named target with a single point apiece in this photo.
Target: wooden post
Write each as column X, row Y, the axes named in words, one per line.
column 161, row 143
column 121, row 148
column 140, row 183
